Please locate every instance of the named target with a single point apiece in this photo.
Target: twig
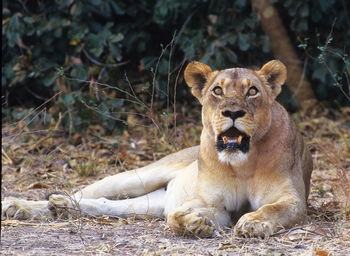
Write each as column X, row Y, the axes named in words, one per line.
column 298, row 228
column 16, row 222
column 48, row 135
column 107, row 86
column 47, row 101
column 133, row 92
column 182, row 29
column 103, row 64
column 4, row 154
column 175, row 87
column 168, row 83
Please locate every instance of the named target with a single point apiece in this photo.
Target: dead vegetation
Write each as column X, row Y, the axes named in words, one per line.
column 35, row 161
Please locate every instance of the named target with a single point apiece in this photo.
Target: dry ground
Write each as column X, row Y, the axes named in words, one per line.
column 37, row 161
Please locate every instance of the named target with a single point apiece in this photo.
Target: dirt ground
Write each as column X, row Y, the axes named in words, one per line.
column 144, row 237
column 35, row 161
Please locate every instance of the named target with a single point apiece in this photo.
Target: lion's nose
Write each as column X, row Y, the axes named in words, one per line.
column 233, row 114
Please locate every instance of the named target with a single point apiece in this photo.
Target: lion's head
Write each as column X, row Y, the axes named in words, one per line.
column 236, row 104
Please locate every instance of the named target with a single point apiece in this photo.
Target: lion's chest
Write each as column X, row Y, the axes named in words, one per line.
column 229, row 194
column 235, row 196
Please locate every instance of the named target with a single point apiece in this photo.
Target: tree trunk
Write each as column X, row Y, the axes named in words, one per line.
column 283, row 50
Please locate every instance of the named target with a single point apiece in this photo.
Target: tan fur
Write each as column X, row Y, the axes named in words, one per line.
column 265, row 188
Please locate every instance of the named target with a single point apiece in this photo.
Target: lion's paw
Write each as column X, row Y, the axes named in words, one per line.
column 21, row 209
column 59, row 206
column 250, row 225
column 190, row 223
column 15, row 208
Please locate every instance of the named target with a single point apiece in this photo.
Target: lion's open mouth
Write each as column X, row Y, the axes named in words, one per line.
column 233, row 139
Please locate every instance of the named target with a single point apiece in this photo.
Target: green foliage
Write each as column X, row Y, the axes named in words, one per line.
column 57, row 46
column 322, row 29
column 88, row 40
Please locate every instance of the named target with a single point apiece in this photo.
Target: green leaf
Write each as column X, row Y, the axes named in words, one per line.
column 3, row 80
column 93, row 41
column 95, row 2
column 28, row 20
column 8, row 70
column 97, row 51
column 232, row 39
column 302, row 25
column 103, row 112
column 49, row 79
column 116, row 38
column 68, row 99
column 15, row 24
column 115, row 102
column 80, row 72
column 63, row 3
column 239, row 5
column 95, row 44
column 325, row 4
column 319, row 73
column 118, row 7
column 12, row 38
column 219, row 57
column 116, row 52
column 81, row 32
column 243, row 42
column 232, row 56
column 17, row 115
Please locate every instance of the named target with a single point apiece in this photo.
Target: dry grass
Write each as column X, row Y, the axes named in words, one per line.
column 34, row 162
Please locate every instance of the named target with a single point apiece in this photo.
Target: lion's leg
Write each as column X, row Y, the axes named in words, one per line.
column 128, row 184
column 270, row 218
column 286, row 210
column 198, row 219
column 132, row 184
column 140, row 181
column 151, row 204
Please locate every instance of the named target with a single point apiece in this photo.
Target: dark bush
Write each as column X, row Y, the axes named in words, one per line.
column 321, row 30
column 46, row 42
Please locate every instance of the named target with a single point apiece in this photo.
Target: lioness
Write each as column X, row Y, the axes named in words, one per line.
column 251, row 165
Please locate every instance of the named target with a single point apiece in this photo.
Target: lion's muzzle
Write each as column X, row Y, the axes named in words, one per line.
column 232, row 138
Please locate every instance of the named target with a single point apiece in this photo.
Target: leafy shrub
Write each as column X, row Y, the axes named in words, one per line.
column 320, row 29
column 101, row 40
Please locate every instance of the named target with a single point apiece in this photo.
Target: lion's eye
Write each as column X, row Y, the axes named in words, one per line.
column 252, row 91
column 217, row 90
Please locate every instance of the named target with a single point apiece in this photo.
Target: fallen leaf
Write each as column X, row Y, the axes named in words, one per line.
column 319, row 252
column 305, row 233
column 224, row 246
column 37, row 185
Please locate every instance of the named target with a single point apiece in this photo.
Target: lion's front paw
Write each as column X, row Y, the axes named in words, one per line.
column 190, row 223
column 59, row 206
column 250, row 225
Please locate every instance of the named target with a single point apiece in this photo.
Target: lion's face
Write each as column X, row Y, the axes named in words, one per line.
column 236, row 104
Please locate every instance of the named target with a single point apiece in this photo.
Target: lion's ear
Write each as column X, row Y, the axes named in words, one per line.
column 275, row 73
column 196, row 75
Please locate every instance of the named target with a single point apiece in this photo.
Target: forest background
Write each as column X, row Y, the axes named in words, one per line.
column 91, row 88
column 93, row 61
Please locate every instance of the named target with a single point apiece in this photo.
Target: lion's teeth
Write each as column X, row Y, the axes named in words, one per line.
column 239, row 139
